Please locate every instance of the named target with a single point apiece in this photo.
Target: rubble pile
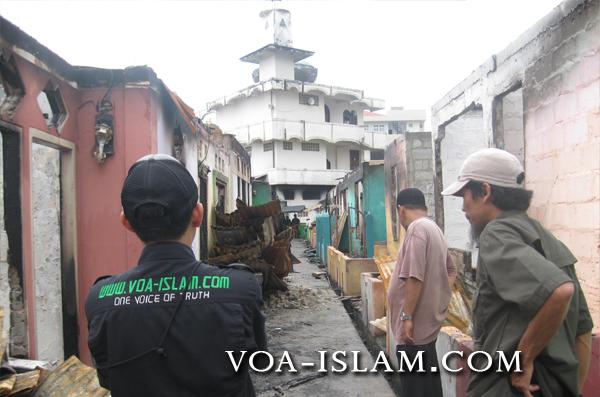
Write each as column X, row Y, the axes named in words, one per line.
column 257, row 237
column 27, row 378
column 71, row 378
column 296, row 297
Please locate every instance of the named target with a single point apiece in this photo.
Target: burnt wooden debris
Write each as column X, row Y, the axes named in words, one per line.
column 259, row 238
column 71, row 378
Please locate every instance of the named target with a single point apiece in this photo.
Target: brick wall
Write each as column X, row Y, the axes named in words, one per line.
column 562, row 131
column 555, row 66
column 420, row 166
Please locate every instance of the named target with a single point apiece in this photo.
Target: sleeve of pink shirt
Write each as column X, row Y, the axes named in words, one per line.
column 415, row 256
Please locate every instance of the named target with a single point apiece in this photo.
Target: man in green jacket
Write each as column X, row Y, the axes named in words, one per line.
column 528, row 297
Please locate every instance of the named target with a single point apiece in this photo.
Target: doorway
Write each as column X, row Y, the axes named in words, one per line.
column 354, row 159
column 53, row 231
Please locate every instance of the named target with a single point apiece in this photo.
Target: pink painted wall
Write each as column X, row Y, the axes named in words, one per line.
column 28, row 115
column 103, row 246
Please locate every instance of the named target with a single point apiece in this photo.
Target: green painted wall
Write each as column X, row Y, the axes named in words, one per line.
column 374, row 206
column 354, row 243
column 261, row 193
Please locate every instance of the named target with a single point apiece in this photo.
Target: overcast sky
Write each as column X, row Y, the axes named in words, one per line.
column 409, row 53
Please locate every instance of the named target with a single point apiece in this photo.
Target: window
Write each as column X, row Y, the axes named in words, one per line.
column 288, row 194
column 421, row 125
column 221, row 189
column 311, row 193
column 52, row 106
column 310, row 147
column 377, row 154
column 267, row 147
column 310, row 100
column 349, row 117
column 288, row 146
column 327, row 114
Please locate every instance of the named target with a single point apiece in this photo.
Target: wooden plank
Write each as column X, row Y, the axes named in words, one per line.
column 7, row 384
column 385, row 266
column 26, row 382
column 340, row 228
column 72, row 378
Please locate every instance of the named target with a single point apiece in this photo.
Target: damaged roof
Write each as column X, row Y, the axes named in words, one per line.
column 12, row 37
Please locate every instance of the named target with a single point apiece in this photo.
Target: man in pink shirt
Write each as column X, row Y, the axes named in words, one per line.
column 419, row 294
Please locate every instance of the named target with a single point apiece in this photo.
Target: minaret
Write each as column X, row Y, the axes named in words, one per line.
column 278, row 26
column 276, row 60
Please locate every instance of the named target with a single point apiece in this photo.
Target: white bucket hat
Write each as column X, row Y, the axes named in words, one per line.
column 494, row 166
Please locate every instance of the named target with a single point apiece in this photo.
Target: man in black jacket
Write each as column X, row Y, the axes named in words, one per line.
column 164, row 327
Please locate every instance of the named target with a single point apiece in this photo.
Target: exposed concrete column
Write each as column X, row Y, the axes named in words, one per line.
column 46, row 213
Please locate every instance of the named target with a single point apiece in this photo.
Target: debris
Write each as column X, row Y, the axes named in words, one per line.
column 380, row 323
column 26, row 382
column 295, row 297
column 72, row 378
column 259, row 238
column 319, row 274
column 299, row 381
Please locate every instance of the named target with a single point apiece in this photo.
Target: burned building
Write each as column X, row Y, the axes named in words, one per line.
column 539, row 99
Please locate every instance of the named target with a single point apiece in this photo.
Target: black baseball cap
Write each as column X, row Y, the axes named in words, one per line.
column 162, row 182
column 411, row 196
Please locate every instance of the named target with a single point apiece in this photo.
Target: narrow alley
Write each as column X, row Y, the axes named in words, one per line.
column 368, row 164
column 310, row 317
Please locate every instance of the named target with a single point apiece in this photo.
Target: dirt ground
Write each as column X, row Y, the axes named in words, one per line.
column 303, row 321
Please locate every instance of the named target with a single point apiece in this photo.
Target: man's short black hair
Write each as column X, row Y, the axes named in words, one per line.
column 505, row 198
column 150, row 225
column 411, row 198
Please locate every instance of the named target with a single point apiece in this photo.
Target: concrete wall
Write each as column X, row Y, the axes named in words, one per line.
column 46, row 207
column 287, row 106
column 460, row 138
column 247, row 111
column 299, row 159
column 261, row 161
column 166, row 124
column 298, row 200
column 4, row 283
column 407, row 163
column 510, row 125
column 346, row 272
column 420, row 166
column 557, row 64
column 372, row 301
column 280, row 66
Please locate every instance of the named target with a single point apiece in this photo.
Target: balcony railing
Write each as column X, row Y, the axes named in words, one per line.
column 305, row 177
column 282, row 129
